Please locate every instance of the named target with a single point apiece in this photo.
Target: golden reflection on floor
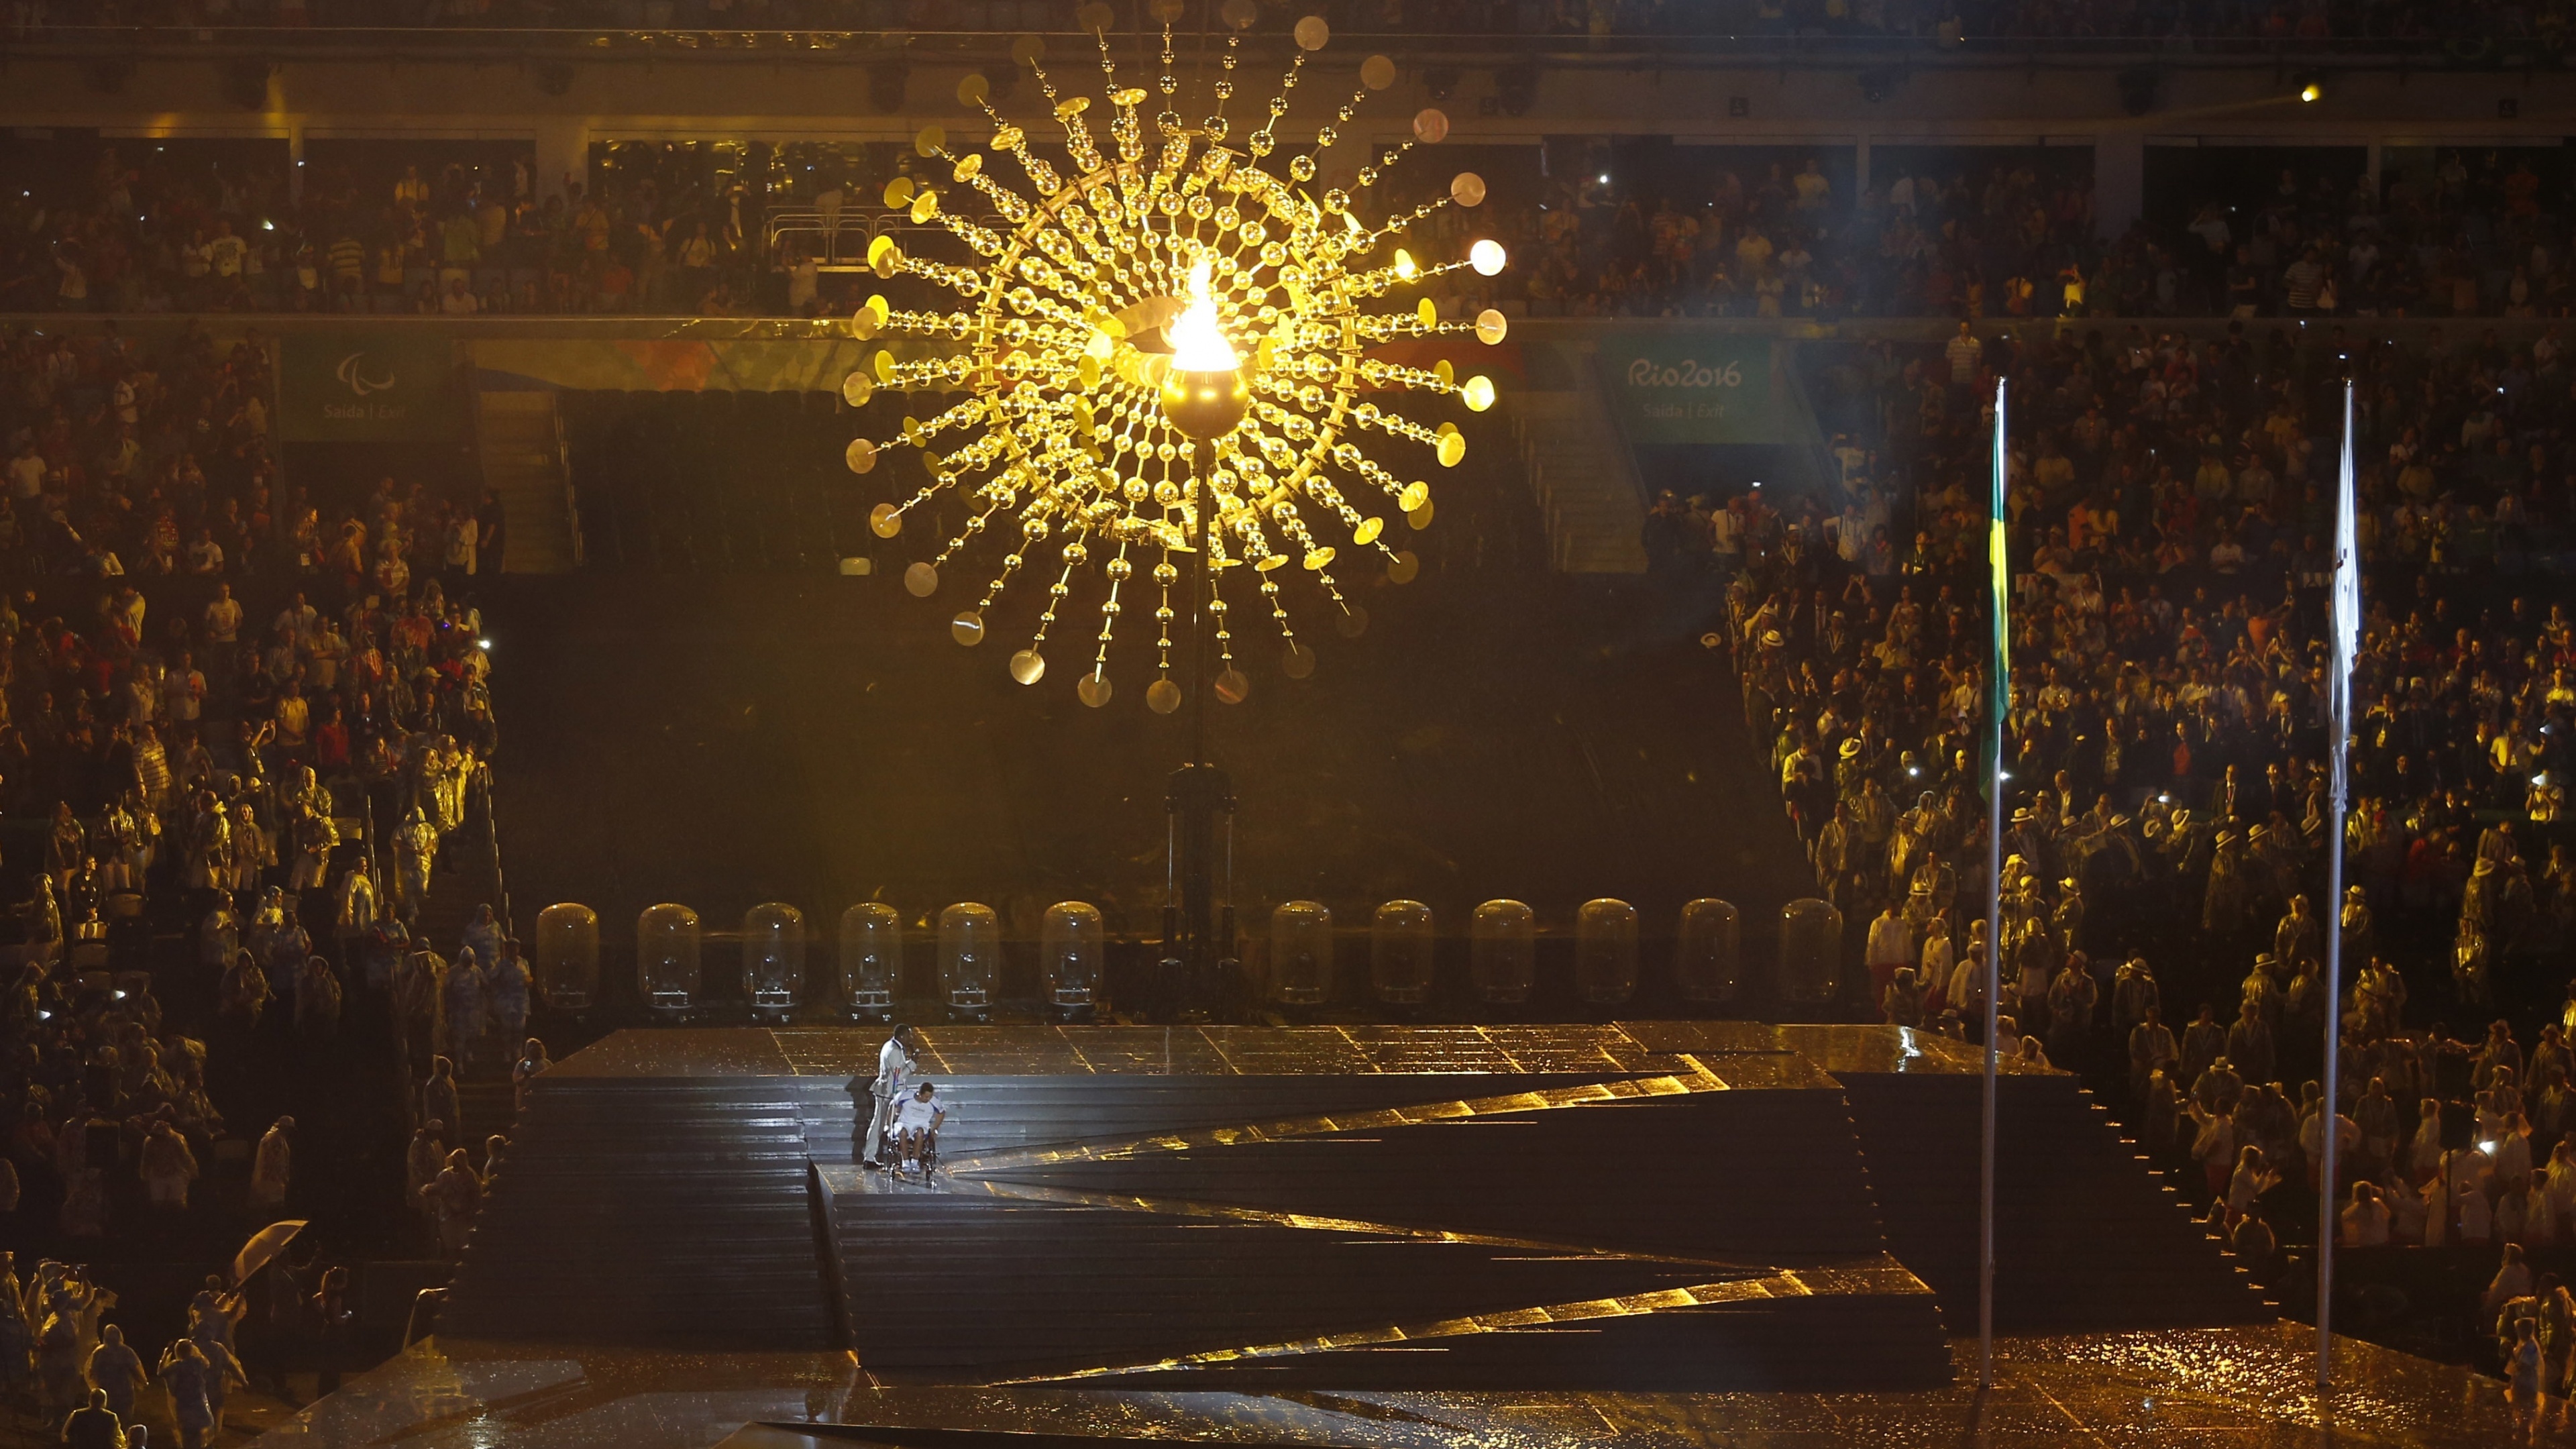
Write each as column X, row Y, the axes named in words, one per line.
column 2206, row 1389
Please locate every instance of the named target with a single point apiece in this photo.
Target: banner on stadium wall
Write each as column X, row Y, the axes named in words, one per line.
column 1672, row 388
column 366, row 387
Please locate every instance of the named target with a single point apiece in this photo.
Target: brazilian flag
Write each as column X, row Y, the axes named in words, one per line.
column 1999, row 567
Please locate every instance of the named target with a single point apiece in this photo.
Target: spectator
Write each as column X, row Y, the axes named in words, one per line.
column 168, row 1167
column 94, row 1426
column 332, row 1319
column 455, row 1196
column 438, row 1097
column 195, row 1384
column 532, row 1063
column 2512, row 1280
column 115, row 1373
column 272, row 1168
column 2365, row 1221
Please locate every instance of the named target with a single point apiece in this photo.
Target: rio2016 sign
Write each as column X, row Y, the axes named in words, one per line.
column 1645, row 372
column 1671, row 388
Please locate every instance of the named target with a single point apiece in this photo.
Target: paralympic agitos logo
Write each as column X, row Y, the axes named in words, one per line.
column 352, row 373
column 377, row 396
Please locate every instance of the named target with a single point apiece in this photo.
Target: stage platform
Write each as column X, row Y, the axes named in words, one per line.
column 1756, row 1206
column 1638, row 1233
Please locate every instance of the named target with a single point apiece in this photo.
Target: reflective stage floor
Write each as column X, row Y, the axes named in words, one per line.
column 2179, row 1389
column 1654, row 1233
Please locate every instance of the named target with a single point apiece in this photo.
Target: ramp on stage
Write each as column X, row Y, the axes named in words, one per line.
column 1648, row 1207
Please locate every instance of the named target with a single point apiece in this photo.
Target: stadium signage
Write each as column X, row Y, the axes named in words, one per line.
column 1687, row 373
column 1690, row 389
column 366, row 387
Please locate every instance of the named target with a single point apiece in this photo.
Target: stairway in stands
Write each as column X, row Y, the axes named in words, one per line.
column 2087, row 1238
column 523, row 461
column 488, row 1106
column 650, row 1213
column 466, row 878
column 1579, row 474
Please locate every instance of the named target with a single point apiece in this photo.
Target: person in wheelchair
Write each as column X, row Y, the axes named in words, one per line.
column 916, row 1128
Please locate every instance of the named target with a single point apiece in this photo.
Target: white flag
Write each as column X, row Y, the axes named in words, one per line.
column 2346, row 605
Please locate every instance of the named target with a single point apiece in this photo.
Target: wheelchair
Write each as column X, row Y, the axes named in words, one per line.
column 890, row 1156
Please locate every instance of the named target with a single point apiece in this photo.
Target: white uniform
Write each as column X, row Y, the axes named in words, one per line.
column 889, row 1083
column 916, row 1115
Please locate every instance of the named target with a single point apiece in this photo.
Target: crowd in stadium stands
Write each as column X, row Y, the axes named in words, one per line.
column 2481, row 236
column 2542, row 29
column 138, row 234
column 236, row 731
column 2170, row 500
column 660, row 230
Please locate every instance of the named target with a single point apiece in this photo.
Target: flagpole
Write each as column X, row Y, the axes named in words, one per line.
column 2344, row 614
column 1999, row 696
